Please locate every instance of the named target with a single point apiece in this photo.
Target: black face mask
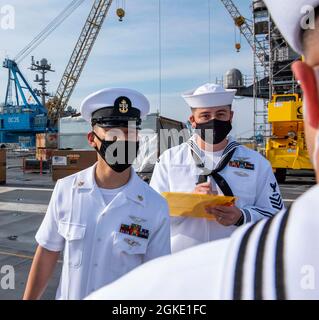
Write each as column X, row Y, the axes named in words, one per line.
column 119, row 155
column 214, row 131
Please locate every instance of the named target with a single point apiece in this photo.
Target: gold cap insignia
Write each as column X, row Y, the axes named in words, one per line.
column 123, row 106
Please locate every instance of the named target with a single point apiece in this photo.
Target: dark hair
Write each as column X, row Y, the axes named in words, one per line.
column 228, row 105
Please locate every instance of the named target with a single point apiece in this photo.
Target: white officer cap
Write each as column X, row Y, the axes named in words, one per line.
column 288, row 16
column 113, row 107
column 209, row 95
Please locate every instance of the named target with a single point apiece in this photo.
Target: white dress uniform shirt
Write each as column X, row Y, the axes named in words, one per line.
column 272, row 259
column 248, row 174
column 95, row 251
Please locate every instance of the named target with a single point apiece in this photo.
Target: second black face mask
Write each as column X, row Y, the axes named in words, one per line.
column 119, row 155
column 214, row 131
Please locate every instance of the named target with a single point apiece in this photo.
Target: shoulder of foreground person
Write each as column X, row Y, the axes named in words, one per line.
column 195, row 273
column 275, row 258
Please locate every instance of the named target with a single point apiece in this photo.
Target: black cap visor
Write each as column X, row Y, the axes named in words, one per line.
column 111, row 117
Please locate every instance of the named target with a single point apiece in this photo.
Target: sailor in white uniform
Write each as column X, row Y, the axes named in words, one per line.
column 272, row 259
column 105, row 218
column 213, row 162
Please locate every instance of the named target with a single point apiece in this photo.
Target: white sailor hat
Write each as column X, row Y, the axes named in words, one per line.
column 289, row 17
column 115, row 107
column 209, row 95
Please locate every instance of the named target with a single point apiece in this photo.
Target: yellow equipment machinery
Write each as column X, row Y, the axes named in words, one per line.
column 286, row 148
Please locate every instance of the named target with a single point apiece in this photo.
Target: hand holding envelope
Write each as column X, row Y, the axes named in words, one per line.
column 183, row 204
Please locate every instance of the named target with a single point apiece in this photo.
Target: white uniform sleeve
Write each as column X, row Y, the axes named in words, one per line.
column 159, row 181
column 160, row 242
column 268, row 200
column 47, row 235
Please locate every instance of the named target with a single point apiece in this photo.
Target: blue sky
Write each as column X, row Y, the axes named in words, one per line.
column 126, row 54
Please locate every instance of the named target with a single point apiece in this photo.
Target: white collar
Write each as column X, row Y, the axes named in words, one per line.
column 192, row 142
column 134, row 190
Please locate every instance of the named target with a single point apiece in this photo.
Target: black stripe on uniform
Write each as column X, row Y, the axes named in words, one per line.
column 258, row 287
column 260, row 263
column 195, row 147
column 260, row 260
column 230, row 146
column 280, row 251
column 278, row 207
column 239, row 268
column 264, row 213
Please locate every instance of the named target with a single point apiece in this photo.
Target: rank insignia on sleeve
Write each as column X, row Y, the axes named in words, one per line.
column 134, row 230
column 273, row 186
column 275, row 199
column 241, row 164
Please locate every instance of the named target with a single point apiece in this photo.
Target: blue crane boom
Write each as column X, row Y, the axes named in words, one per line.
column 26, row 115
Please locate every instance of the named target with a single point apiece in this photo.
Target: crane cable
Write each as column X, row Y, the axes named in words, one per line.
column 48, row 30
column 237, row 39
column 209, row 41
column 121, row 4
